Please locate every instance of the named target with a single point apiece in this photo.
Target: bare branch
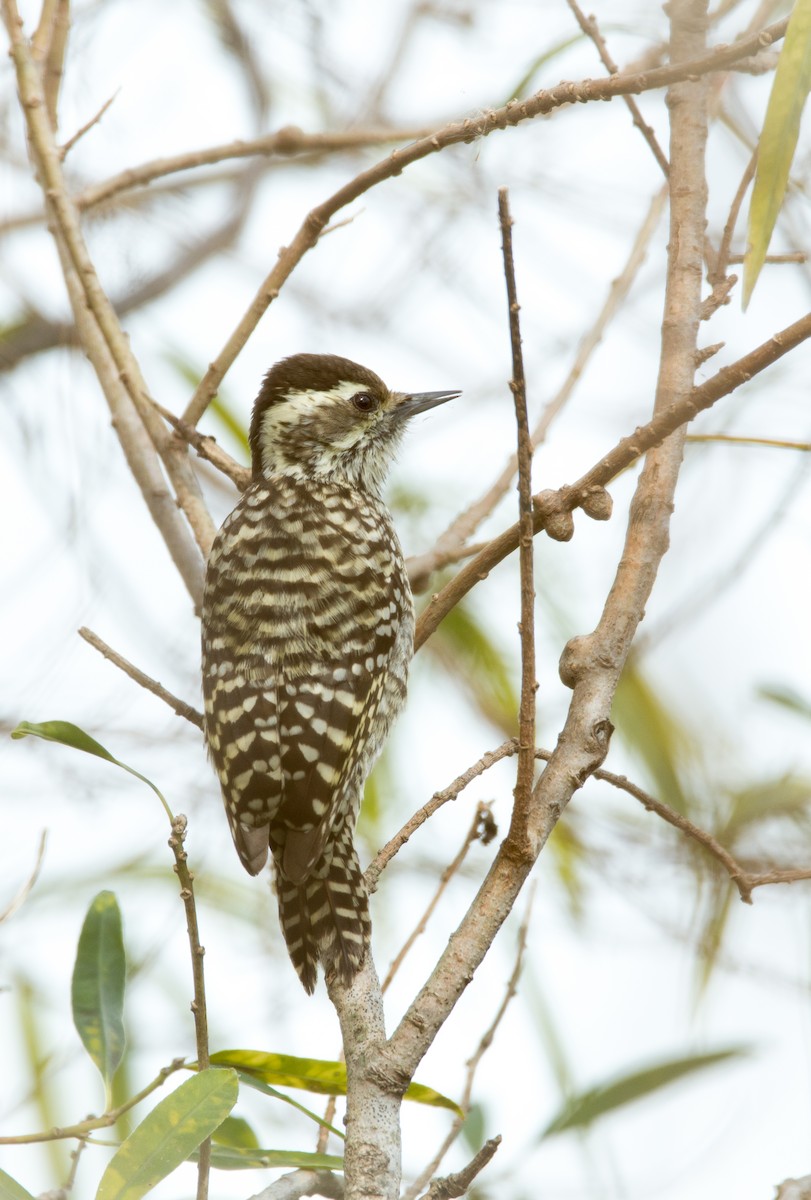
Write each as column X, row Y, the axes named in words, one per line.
column 387, row 853
column 179, row 706
column 67, row 146
column 107, row 346
column 450, row 546
column 303, row 1183
column 592, row 30
column 467, row 130
column 24, row 891
column 472, row 1064
column 551, row 504
column 447, row 875
column 198, row 1006
column 458, row 1184
column 526, row 715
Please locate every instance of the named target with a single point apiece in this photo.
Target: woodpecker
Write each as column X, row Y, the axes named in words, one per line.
column 307, row 635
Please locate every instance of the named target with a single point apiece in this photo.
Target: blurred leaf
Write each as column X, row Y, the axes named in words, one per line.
column 788, row 797
column 32, row 1040
column 568, row 853
column 11, row 1190
column 653, row 732
column 534, row 67
column 243, row 1158
column 259, row 1085
column 237, row 1133
column 169, row 1134
column 67, row 734
column 464, row 648
column 230, row 421
column 473, row 1129
column 322, row 1076
column 218, row 407
column 581, row 1110
column 719, row 908
column 789, row 699
column 540, row 1010
column 778, row 140
column 97, row 991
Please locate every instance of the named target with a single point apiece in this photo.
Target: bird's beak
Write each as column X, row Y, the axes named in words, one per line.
column 420, row 402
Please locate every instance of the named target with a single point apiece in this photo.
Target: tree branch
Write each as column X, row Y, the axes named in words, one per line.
column 179, row 706
column 526, row 715
column 549, row 506
column 467, row 130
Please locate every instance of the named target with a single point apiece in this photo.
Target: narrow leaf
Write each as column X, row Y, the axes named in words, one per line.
column 11, row 1190
column 580, row 1111
column 235, row 1158
column 67, row 734
column 321, row 1076
column 778, row 140
column 97, row 992
column 259, row 1085
column 169, row 1135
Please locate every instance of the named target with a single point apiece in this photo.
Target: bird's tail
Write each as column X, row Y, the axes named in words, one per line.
column 325, row 918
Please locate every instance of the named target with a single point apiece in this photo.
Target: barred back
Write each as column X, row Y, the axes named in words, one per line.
column 307, row 635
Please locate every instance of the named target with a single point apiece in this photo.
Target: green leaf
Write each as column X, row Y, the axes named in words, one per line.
column 169, row 1135
column 259, row 1085
column 324, row 1077
column 236, row 1158
column 580, row 1111
column 237, row 1133
column 655, row 734
column 464, row 648
column 67, row 734
column 789, row 699
column 11, row 1190
column 97, row 992
column 778, row 140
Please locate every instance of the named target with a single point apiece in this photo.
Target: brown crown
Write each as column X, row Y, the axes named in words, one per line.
column 306, row 373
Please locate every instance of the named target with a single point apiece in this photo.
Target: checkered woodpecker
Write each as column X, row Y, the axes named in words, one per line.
column 307, row 635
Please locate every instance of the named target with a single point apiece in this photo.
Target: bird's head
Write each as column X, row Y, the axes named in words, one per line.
column 318, row 416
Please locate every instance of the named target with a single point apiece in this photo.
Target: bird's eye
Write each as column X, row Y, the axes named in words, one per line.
column 365, row 402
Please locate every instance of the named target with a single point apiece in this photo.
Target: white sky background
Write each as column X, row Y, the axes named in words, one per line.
column 413, row 287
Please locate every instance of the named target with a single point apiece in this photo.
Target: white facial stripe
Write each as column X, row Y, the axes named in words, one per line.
column 342, row 391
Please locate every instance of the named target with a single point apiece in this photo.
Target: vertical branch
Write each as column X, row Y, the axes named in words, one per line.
column 526, row 714
column 88, row 298
column 198, row 1005
column 372, row 1154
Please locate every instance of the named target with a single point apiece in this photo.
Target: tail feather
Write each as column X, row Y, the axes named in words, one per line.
column 325, row 918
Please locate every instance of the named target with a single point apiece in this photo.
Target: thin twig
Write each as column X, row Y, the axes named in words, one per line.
column 472, row 1063
column 592, row 30
column 285, row 143
column 157, row 689
column 722, row 260
column 465, row 131
column 387, row 853
column 198, row 1006
column 459, row 1183
column 67, row 146
column 737, row 440
column 551, row 504
column 208, row 449
column 83, row 1128
column 447, row 875
column 522, row 795
column 25, row 890
column 452, row 545
column 75, row 1155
